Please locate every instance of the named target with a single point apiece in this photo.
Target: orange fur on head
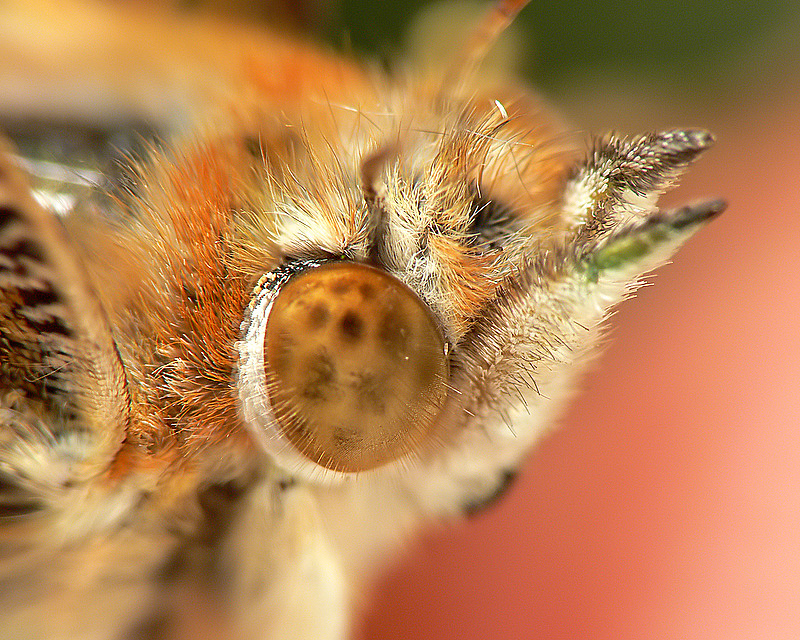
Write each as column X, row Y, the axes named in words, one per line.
column 280, row 174
column 193, row 292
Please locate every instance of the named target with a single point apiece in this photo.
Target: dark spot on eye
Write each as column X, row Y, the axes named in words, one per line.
column 366, row 290
column 345, row 438
column 321, row 375
column 352, row 326
column 340, row 287
column 318, row 316
column 287, row 483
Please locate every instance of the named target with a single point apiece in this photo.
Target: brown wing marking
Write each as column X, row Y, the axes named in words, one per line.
column 60, row 373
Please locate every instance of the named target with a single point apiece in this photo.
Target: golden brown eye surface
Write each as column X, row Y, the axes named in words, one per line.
column 355, row 366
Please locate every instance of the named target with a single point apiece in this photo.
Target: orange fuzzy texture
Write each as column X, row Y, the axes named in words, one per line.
column 187, row 264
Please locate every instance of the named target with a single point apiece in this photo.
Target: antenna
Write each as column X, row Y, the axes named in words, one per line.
column 496, row 20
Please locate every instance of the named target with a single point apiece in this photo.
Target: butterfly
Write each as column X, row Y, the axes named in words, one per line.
column 343, row 305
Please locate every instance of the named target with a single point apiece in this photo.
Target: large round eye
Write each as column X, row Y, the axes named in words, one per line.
column 354, row 364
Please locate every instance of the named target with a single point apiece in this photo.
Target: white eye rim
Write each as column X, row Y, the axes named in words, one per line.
column 254, row 403
column 252, row 389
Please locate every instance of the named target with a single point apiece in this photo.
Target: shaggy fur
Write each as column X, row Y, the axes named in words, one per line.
column 135, row 501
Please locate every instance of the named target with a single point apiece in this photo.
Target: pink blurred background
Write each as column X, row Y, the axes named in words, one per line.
column 668, row 503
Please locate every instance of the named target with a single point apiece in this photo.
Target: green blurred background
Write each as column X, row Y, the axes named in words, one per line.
column 701, row 45
column 616, row 63
column 697, row 43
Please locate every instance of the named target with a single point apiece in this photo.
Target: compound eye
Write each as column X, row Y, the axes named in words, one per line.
column 355, row 366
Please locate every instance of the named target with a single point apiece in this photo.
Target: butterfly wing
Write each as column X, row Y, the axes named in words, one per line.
column 64, row 404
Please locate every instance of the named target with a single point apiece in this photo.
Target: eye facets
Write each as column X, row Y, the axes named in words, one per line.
column 355, row 366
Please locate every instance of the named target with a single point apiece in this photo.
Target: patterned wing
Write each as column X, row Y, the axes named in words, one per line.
column 63, row 398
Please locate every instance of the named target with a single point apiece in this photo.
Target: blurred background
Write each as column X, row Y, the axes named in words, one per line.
column 667, row 505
